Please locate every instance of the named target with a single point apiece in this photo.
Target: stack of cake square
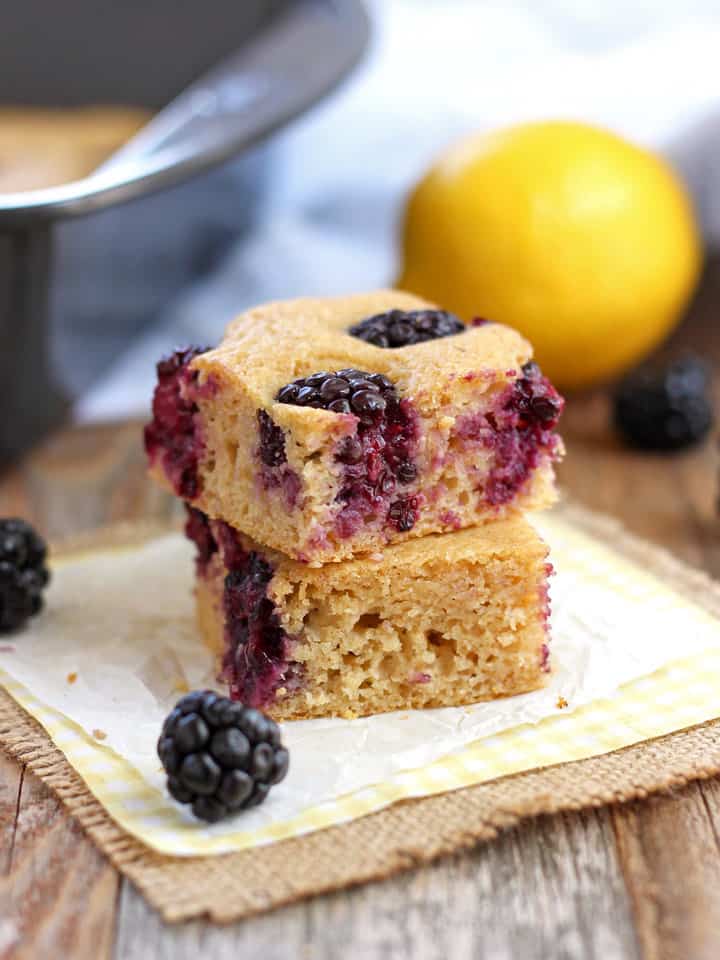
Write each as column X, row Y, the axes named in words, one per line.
column 355, row 472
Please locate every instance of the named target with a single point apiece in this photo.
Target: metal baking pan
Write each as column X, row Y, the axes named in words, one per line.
column 113, row 248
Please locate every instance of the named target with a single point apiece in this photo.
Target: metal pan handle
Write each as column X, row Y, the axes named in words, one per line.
column 31, row 402
column 299, row 58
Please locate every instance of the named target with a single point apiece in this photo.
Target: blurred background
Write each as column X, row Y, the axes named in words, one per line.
column 318, row 206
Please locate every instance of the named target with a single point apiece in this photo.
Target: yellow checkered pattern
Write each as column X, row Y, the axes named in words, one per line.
column 677, row 696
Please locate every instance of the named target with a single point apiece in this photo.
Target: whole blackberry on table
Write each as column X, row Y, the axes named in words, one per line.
column 220, row 756
column 23, row 574
column 403, row 328
column 666, row 409
column 346, row 391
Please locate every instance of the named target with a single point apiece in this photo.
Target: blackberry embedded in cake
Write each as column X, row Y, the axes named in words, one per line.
column 440, row 621
column 402, row 328
column 326, row 428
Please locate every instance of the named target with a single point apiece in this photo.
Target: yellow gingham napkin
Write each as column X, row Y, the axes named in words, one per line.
column 596, row 586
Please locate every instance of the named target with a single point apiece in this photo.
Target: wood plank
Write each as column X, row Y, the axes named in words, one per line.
column 549, row 889
column 669, row 498
column 11, row 777
column 85, row 478
column 58, row 895
column 669, row 848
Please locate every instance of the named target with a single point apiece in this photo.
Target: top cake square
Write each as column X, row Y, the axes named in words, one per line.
column 330, row 427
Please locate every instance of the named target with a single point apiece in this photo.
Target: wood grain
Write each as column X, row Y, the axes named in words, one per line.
column 57, row 895
column 670, row 853
column 640, row 881
column 551, row 889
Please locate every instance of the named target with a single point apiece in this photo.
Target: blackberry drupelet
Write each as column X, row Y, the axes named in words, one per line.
column 346, row 391
column 403, row 328
column 403, row 513
column 667, row 409
column 23, row 574
column 220, row 756
column 174, row 362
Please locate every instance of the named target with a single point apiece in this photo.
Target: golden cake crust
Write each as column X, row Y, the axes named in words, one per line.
column 278, row 342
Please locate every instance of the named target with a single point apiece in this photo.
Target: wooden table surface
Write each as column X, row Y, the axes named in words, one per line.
column 634, row 881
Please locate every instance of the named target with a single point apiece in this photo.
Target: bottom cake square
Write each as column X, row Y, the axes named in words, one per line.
column 444, row 620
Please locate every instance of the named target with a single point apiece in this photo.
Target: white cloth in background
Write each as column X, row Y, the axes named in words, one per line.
column 438, row 69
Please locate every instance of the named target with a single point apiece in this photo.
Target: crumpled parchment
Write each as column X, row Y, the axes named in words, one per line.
column 117, row 645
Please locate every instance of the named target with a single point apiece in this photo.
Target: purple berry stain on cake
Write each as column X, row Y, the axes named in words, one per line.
column 234, row 555
column 419, row 677
column 448, row 518
column 197, row 529
column 379, row 457
column 545, row 658
column 174, row 438
column 256, row 663
column 545, row 611
column 274, row 471
column 519, row 432
column 272, row 441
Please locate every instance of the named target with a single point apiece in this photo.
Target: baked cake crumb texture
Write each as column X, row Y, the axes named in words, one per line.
column 445, row 620
column 328, row 428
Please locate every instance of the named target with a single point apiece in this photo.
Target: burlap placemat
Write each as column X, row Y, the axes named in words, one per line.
column 227, row 888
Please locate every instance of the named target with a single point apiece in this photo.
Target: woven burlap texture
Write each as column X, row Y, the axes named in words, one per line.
column 233, row 886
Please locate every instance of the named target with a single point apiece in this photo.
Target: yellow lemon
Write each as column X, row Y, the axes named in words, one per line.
column 582, row 241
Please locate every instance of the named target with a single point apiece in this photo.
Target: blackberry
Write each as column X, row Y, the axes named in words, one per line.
column 379, row 456
column 407, row 472
column 220, row 756
column 403, row 328
column 272, row 441
column 23, row 574
column 403, row 513
column 535, row 397
column 666, row 409
column 367, row 395
column 176, row 362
